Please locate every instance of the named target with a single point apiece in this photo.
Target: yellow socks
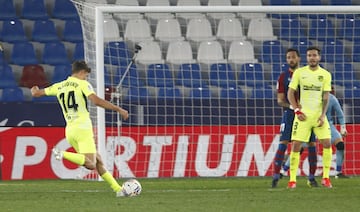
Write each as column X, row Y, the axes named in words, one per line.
column 76, row 158
column 111, row 181
column 294, row 165
column 327, row 157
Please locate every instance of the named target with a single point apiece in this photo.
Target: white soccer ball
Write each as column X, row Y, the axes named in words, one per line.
column 132, row 188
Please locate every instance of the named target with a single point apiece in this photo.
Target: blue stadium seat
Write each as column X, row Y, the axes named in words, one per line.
column 340, row 2
column 222, row 75
column 282, row 3
column 61, row 72
column 131, row 79
column 73, row 31
column 13, row 31
column 344, row 75
column 159, row 75
column 116, row 52
column 64, row 9
column 137, row 94
column 251, row 74
column 272, row 52
column 79, row 52
column 7, row 10
column 34, row 10
column 350, row 29
column 200, row 93
column 231, row 93
column 23, row 54
column 7, row 79
column 169, row 93
column 291, row 30
column 310, row 2
column 352, row 93
column 12, row 95
column 262, row 93
column 189, row 75
column 321, row 29
column 276, row 70
column 301, row 45
column 356, row 52
column 44, row 31
column 334, row 51
column 55, row 54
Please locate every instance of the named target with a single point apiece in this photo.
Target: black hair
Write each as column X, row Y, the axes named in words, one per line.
column 313, row 48
column 79, row 65
column 293, row 50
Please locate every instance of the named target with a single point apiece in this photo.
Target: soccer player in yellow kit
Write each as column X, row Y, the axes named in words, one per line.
column 310, row 113
column 72, row 95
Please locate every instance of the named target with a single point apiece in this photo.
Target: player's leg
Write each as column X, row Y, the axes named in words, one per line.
column 324, row 135
column 312, row 158
column 286, row 165
column 337, row 141
column 106, row 175
column 285, row 135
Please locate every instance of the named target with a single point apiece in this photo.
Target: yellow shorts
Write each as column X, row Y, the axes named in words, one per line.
column 82, row 140
column 301, row 130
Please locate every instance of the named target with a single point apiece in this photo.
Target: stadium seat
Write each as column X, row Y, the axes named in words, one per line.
column 44, row 31
column 230, row 29
column 137, row 30
column 159, row 75
column 276, row 70
column 23, row 54
column 189, row 75
column 344, row 75
column 12, row 95
column 340, row 2
column 334, row 51
column 279, row 2
column 64, row 9
column 200, row 93
column 7, row 79
column 137, row 94
column 7, row 10
column 61, row 72
column 231, row 93
column 222, row 75
column 272, row 52
column 249, row 16
column 185, row 17
column 78, row 52
column 310, row 2
column 116, row 52
column 149, row 54
column 73, row 31
column 13, row 31
column 55, row 54
column 356, row 52
column 217, row 16
column 154, row 17
column 34, row 10
column 131, row 79
column 241, row 52
column 33, row 75
column 251, row 74
column 123, row 18
column 169, row 93
column 179, row 52
column 210, row 52
column 111, row 30
column 199, row 30
column 262, row 93
column 352, row 93
column 260, row 29
column 291, row 30
column 168, row 30
column 349, row 29
column 301, row 45
column 321, row 29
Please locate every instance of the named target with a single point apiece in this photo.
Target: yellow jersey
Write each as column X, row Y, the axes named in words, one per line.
column 72, row 96
column 312, row 85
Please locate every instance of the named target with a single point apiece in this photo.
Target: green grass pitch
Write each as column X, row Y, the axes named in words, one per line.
column 180, row 194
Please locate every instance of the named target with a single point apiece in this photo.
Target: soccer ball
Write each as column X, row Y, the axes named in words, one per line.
column 132, row 188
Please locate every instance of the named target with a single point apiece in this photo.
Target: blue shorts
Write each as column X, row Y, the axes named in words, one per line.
column 335, row 134
column 286, row 127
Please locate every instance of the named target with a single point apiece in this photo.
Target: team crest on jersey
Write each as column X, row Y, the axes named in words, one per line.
column 320, row 78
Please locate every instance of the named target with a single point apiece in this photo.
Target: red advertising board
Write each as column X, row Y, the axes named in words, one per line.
column 190, row 151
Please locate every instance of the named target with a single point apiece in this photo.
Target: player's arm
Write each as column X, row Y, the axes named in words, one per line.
column 340, row 116
column 292, row 97
column 37, row 92
column 281, row 100
column 108, row 105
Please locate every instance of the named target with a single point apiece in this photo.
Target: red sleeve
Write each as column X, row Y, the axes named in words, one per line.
column 280, row 83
